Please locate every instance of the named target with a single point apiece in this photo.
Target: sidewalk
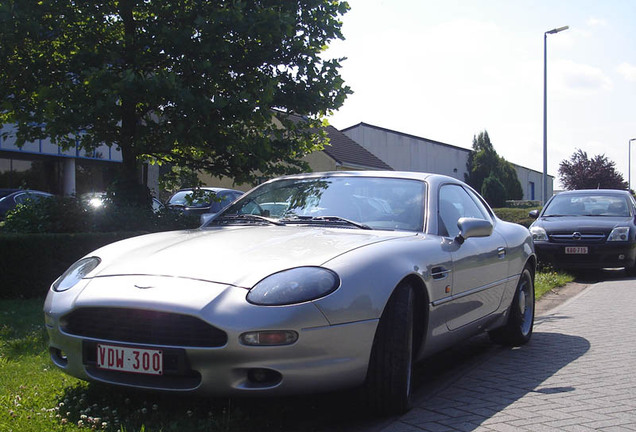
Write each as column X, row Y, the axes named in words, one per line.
column 578, row 373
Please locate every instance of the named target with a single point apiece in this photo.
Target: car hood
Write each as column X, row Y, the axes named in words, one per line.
column 582, row 223
column 239, row 256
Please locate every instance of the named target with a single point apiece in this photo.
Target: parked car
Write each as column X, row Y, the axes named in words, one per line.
column 361, row 275
column 587, row 229
column 97, row 200
column 11, row 198
column 202, row 201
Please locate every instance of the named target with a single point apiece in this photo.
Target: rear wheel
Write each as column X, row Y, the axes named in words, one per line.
column 518, row 330
column 388, row 386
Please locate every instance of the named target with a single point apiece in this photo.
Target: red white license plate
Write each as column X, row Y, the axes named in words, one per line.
column 576, row 250
column 129, row 359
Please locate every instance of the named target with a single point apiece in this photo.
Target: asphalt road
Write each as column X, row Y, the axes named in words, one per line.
column 578, row 373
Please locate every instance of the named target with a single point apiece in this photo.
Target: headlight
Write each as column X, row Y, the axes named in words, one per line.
column 538, row 234
column 619, row 234
column 75, row 273
column 292, row 286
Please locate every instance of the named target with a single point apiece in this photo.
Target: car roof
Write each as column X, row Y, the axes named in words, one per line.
column 595, row 192
column 9, row 191
column 383, row 174
column 212, row 189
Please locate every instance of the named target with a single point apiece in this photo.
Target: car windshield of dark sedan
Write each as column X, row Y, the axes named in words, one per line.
column 191, row 199
column 348, row 202
column 588, row 205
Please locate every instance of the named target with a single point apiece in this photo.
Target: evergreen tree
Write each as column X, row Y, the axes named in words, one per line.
column 484, row 162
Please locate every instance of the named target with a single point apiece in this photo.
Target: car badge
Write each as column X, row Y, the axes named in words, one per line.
column 576, row 236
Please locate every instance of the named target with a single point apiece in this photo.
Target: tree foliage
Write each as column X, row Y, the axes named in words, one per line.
column 581, row 172
column 484, row 162
column 190, row 82
column 494, row 191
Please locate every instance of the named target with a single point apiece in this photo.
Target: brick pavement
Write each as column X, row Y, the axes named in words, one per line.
column 578, row 373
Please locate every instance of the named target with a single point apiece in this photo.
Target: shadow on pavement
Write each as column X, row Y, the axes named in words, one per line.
column 489, row 380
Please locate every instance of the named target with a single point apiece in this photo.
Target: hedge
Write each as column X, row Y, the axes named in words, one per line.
column 516, row 215
column 29, row 263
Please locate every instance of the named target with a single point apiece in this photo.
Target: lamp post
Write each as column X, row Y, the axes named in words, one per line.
column 545, row 108
column 629, row 165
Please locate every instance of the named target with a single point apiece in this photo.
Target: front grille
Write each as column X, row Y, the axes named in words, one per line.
column 143, row 327
column 569, row 237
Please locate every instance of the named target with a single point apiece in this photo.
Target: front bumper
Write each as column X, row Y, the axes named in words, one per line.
column 605, row 255
column 325, row 357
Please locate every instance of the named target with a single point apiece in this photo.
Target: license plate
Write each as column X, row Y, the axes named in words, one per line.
column 576, row 250
column 129, row 359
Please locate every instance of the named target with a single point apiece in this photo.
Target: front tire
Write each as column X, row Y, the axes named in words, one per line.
column 388, row 386
column 518, row 329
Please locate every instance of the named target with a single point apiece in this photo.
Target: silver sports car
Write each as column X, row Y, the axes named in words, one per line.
column 307, row 283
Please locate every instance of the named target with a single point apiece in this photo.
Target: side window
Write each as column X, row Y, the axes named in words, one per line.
column 455, row 202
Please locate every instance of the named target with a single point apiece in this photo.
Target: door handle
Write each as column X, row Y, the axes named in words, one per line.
column 501, row 252
column 439, row 272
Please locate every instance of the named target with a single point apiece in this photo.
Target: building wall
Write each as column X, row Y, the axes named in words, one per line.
column 318, row 162
column 532, row 183
column 410, row 153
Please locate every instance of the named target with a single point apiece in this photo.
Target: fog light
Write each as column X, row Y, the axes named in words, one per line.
column 269, row 338
column 58, row 357
column 264, row 376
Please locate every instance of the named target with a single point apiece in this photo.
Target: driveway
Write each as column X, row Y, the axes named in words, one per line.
column 578, row 373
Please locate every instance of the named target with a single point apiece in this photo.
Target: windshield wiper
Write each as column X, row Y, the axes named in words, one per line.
column 326, row 219
column 248, row 217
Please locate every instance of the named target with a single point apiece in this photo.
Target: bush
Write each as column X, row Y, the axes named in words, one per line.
column 516, row 215
column 52, row 215
column 29, row 263
column 40, row 240
column 69, row 215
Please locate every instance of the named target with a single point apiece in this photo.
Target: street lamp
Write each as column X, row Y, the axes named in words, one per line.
column 629, row 165
column 545, row 108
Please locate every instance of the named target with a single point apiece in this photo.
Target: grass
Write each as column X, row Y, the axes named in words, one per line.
column 548, row 279
column 36, row 396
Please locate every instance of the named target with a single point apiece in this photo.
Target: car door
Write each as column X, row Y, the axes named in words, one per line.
column 479, row 264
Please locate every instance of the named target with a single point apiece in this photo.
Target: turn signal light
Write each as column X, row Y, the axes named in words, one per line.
column 269, row 338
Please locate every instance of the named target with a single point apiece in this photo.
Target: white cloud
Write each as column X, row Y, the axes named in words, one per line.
column 578, row 78
column 596, row 22
column 628, row 71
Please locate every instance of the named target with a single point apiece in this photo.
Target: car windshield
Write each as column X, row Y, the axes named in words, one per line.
column 188, row 198
column 351, row 202
column 588, row 205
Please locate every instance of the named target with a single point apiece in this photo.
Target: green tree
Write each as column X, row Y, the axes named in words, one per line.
column 508, row 177
column 190, row 82
column 484, row 162
column 581, row 172
column 493, row 191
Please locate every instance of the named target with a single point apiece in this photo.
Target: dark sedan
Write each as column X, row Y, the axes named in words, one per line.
column 11, row 198
column 587, row 229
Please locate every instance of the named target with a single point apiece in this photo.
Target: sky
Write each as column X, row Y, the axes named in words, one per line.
column 447, row 70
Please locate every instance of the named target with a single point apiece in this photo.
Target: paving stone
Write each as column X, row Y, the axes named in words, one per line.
column 577, row 374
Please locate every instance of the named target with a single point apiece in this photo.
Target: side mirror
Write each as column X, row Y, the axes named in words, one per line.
column 534, row 214
column 471, row 227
